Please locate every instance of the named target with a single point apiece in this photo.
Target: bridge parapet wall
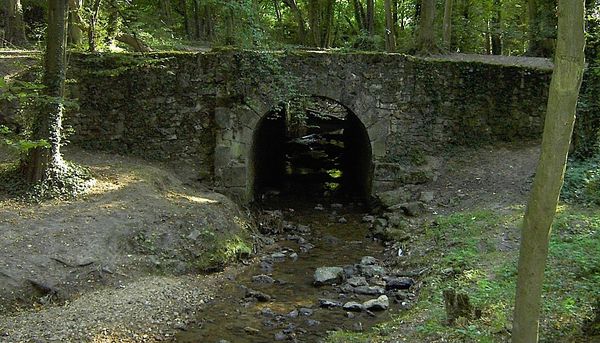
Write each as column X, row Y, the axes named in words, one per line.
column 202, row 109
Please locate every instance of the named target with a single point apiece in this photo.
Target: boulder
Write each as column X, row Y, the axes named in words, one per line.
column 392, row 283
column 371, row 270
column 368, row 260
column 328, row 303
column 380, row 304
column 369, row 290
column 328, row 275
column 353, row 306
column 357, row 281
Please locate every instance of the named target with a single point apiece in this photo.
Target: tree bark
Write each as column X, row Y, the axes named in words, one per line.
column 541, row 208
column 75, row 35
column 47, row 123
column 15, row 26
column 320, row 18
column 92, row 26
column 425, row 42
column 134, row 42
column 447, row 25
column 370, row 25
column 542, row 23
column 186, row 19
column 390, row 27
column 359, row 15
column 300, row 22
column 496, row 28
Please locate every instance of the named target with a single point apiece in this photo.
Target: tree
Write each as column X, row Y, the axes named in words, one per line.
column 46, row 162
column 15, row 26
column 542, row 23
column 496, row 28
column 300, row 22
column 558, row 127
column 425, row 42
column 447, row 24
column 390, row 27
column 320, row 19
column 75, row 35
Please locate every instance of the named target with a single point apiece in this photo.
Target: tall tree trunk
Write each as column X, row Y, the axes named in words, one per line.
column 487, row 36
column 186, row 19
column 447, row 25
column 165, row 11
column 370, row 17
column 541, row 208
column 542, row 23
column 425, row 42
column 359, row 15
column 320, row 15
column 76, row 26
column 229, row 25
column 390, row 27
column 47, row 123
column 300, row 22
column 197, row 23
column 14, row 25
column 95, row 10
column 497, row 28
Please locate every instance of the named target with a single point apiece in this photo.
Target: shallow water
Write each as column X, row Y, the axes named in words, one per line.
column 235, row 319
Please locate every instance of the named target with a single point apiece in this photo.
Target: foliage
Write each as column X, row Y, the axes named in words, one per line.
column 190, row 24
column 582, row 181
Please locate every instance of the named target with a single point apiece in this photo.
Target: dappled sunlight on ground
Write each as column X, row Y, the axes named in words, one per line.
column 191, row 198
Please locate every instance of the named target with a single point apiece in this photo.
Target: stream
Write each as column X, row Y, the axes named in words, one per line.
column 275, row 299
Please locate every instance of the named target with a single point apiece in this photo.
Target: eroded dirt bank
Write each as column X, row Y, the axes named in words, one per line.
column 120, row 260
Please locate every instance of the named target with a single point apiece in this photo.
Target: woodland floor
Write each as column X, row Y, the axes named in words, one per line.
column 104, row 257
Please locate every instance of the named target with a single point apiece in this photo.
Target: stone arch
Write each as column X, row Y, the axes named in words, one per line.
column 237, row 125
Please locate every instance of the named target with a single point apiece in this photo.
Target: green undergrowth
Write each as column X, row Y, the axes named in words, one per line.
column 476, row 253
column 582, row 182
column 223, row 252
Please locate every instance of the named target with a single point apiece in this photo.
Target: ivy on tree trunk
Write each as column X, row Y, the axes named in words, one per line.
column 47, row 124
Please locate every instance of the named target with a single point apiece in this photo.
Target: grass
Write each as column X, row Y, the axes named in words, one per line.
column 476, row 253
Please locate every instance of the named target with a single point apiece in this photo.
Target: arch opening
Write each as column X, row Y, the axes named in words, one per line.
column 311, row 147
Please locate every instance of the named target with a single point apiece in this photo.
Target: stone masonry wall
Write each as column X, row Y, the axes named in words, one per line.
column 203, row 108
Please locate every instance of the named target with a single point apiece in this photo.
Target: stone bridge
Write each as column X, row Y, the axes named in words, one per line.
column 204, row 109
